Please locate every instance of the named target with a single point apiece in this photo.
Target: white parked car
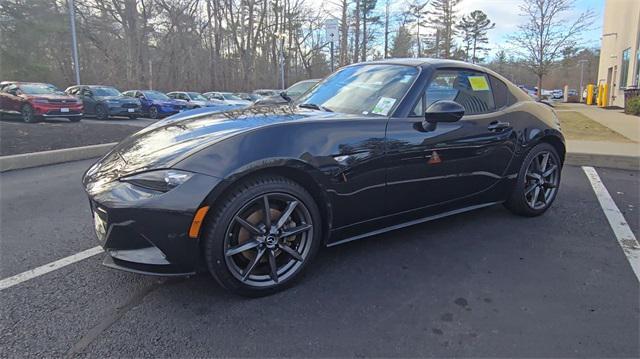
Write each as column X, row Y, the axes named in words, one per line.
column 195, row 99
column 226, row 97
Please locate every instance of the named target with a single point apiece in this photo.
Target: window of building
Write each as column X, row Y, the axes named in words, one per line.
column 624, row 68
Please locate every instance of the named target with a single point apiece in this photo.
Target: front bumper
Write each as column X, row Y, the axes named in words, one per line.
column 144, row 231
column 58, row 110
column 124, row 111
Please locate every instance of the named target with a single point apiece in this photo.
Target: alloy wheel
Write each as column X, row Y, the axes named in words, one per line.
column 541, row 180
column 153, row 112
column 27, row 113
column 268, row 240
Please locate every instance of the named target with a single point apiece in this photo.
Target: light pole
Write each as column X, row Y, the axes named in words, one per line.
column 74, row 41
column 582, row 62
column 281, row 36
column 331, row 53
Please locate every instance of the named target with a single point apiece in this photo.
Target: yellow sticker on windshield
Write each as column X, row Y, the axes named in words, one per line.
column 478, row 83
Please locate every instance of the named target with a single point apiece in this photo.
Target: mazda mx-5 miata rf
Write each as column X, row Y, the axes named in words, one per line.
column 251, row 195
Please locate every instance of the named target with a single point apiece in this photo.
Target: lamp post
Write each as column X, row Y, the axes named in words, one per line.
column 281, row 36
column 581, row 63
column 74, row 41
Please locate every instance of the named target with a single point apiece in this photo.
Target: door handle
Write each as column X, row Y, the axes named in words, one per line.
column 496, row 126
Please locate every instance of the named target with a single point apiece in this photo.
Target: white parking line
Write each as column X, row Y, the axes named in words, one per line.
column 625, row 236
column 36, row 272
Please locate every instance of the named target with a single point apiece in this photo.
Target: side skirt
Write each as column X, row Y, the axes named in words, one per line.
column 414, row 222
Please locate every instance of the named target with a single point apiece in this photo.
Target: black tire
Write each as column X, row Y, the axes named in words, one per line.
column 102, row 113
column 535, row 192
column 27, row 113
column 294, row 252
column 153, row 113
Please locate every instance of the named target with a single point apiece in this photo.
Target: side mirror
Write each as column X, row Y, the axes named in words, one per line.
column 442, row 111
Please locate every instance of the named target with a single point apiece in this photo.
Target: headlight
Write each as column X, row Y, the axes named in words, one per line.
column 160, row 180
column 41, row 100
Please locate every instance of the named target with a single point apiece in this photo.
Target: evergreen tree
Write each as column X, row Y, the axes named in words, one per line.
column 443, row 17
column 474, row 30
column 401, row 43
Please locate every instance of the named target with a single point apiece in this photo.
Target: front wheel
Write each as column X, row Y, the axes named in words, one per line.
column 102, row 113
column 153, row 113
column 262, row 236
column 538, row 182
column 28, row 115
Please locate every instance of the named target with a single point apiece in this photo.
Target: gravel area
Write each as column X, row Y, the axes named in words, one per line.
column 17, row 137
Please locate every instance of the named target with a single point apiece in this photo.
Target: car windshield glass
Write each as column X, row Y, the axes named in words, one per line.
column 230, row 96
column 197, row 96
column 155, row 95
column 105, row 91
column 300, row 88
column 40, row 89
column 362, row 89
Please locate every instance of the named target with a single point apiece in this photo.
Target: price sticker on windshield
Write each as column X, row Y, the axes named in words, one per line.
column 383, row 106
column 478, row 83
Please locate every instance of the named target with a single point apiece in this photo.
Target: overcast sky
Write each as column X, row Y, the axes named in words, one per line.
column 505, row 14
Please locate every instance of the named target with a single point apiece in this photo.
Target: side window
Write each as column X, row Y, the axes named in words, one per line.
column 12, row 89
column 501, row 93
column 469, row 88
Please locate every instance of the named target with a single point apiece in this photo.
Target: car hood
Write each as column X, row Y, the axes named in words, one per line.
column 166, row 102
column 117, row 98
column 167, row 142
column 53, row 97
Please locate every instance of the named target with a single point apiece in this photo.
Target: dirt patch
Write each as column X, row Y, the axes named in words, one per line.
column 17, row 137
column 576, row 126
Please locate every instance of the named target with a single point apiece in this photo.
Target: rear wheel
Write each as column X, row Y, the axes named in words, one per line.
column 28, row 114
column 262, row 236
column 538, row 182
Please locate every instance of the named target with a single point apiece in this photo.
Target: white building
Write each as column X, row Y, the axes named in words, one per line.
column 620, row 51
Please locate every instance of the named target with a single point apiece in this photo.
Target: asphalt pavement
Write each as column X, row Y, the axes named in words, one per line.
column 17, row 137
column 481, row 284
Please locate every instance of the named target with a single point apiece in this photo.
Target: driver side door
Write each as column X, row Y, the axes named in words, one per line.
column 442, row 169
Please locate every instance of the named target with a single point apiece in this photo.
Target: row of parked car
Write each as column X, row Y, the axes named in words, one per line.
column 33, row 101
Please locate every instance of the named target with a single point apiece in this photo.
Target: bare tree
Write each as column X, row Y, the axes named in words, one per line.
column 550, row 27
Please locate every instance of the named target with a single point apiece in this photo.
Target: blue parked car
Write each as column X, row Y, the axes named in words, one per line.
column 155, row 104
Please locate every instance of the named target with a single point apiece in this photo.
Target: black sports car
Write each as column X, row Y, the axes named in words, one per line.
column 251, row 195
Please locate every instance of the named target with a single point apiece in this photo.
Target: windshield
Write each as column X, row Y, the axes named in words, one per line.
column 196, row 96
column 300, row 88
column 363, row 89
column 155, row 95
column 105, row 91
column 230, row 96
column 40, row 89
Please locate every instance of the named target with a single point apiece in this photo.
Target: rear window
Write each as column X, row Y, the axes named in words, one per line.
column 501, row 94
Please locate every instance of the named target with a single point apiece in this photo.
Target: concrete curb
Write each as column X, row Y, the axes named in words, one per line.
column 35, row 159
column 603, row 160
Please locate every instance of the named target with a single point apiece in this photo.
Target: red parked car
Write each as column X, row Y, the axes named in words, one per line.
column 33, row 101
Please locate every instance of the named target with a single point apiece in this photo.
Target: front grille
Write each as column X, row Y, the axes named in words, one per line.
column 129, row 105
column 60, row 113
column 62, row 101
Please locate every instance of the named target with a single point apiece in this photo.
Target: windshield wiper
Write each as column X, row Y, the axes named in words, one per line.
column 315, row 107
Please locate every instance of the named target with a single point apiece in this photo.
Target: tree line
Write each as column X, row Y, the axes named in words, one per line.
column 244, row 44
